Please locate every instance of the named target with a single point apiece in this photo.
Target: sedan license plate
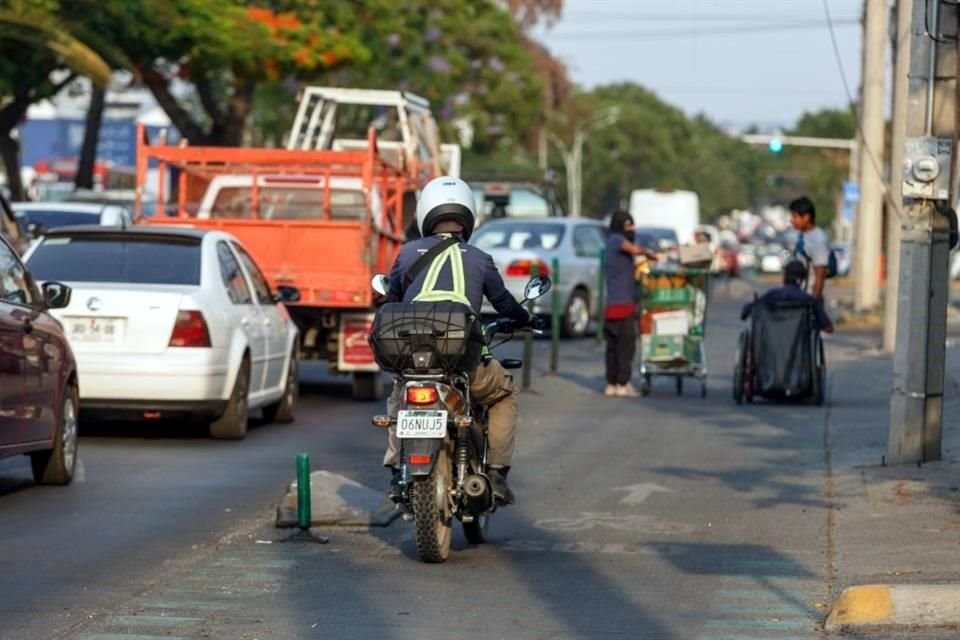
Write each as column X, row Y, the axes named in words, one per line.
column 421, row 424
column 95, row 330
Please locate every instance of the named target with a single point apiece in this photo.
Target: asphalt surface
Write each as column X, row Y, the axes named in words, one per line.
column 666, row 517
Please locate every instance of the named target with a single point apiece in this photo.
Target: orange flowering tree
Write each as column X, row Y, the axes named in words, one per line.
column 203, row 61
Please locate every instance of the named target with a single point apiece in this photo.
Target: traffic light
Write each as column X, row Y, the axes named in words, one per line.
column 776, row 145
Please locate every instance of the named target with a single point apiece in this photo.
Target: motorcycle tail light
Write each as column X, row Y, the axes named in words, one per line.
column 422, row 395
column 419, row 459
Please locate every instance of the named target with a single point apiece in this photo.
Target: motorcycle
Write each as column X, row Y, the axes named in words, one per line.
column 431, row 349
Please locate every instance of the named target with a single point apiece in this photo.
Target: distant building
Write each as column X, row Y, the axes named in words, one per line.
column 52, row 135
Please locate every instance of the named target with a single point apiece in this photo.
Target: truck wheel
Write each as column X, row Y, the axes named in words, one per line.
column 232, row 425
column 367, row 386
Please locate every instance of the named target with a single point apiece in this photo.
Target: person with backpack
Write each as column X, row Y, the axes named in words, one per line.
column 812, row 248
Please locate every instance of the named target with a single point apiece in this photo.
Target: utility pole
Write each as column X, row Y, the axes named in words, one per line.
column 916, row 406
column 869, row 220
column 901, row 67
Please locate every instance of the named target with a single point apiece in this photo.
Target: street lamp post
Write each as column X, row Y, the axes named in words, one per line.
column 573, row 155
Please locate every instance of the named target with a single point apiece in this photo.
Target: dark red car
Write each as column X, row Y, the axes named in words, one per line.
column 38, row 375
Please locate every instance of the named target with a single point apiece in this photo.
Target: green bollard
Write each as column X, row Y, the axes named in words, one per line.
column 303, row 491
column 555, row 320
column 601, row 282
column 528, row 341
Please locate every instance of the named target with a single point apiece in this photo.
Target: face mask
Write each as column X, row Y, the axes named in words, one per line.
column 630, row 235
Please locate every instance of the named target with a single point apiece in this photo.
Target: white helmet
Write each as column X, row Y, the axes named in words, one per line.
column 446, row 198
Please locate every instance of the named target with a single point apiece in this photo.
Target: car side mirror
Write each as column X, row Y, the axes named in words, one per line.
column 537, row 287
column 286, row 293
column 380, row 284
column 36, row 229
column 56, row 295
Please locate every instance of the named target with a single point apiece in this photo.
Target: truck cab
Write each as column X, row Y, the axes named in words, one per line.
column 497, row 200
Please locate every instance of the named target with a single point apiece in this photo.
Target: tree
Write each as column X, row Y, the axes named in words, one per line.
column 467, row 58
column 654, row 144
column 818, row 173
column 34, row 44
column 224, row 50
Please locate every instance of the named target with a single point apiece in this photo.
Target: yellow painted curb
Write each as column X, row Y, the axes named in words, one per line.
column 862, row 605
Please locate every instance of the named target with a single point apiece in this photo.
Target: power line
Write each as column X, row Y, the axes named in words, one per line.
column 687, row 18
column 669, row 35
column 846, row 87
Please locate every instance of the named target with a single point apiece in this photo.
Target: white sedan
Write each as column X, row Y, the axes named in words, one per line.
column 169, row 322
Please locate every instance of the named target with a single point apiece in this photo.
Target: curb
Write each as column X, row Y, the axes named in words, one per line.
column 338, row 501
column 930, row 605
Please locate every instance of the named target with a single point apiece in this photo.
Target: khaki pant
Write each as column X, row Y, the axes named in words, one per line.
column 492, row 387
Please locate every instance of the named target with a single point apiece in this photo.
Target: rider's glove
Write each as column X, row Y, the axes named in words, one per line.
column 537, row 323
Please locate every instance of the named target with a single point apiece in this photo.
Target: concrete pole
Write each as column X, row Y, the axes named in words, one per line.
column 901, row 67
column 916, row 404
column 870, row 218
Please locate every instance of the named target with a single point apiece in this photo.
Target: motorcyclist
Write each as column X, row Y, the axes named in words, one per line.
column 462, row 273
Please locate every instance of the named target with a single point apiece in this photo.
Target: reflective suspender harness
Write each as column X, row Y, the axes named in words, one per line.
column 430, row 293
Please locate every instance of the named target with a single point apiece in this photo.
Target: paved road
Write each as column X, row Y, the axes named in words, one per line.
column 659, row 518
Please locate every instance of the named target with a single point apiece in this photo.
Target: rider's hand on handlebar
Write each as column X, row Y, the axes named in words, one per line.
column 537, row 323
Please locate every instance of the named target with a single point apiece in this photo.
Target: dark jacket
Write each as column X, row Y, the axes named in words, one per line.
column 480, row 273
column 791, row 293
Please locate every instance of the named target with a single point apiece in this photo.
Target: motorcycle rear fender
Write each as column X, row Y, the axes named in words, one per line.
column 421, row 447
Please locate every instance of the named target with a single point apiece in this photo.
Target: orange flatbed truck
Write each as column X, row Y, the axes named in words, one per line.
column 324, row 215
column 323, row 221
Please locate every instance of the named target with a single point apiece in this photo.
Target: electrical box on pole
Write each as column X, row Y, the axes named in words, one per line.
column 926, row 168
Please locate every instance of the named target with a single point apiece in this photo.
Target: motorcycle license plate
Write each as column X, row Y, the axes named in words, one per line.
column 421, row 424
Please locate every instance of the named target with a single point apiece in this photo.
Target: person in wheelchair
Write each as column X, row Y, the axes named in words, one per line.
column 781, row 356
column 794, row 275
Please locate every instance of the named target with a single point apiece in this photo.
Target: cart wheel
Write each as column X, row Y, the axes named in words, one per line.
column 645, row 386
column 703, row 390
column 679, row 385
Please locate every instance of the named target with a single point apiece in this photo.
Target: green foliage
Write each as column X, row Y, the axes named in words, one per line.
column 467, row 58
column 653, row 144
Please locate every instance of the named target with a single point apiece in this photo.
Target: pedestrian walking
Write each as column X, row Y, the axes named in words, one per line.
column 620, row 314
column 812, row 249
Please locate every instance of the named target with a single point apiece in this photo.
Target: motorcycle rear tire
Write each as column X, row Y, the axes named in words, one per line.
column 431, row 511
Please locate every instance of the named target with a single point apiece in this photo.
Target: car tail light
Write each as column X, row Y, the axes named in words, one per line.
column 422, row 395
column 526, row 267
column 190, row 330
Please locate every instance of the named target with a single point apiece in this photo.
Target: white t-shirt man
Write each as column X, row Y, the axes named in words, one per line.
column 813, row 249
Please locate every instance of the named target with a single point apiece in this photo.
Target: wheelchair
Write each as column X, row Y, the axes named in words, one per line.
column 780, row 356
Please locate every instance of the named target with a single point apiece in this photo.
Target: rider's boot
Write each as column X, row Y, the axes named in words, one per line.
column 498, row 482
column 394, row 493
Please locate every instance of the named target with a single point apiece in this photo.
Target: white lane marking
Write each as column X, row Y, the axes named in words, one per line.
column 80, row 473
column 631, row 523
column 638, row 493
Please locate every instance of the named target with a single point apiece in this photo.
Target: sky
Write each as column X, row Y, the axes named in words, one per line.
column 740, row 62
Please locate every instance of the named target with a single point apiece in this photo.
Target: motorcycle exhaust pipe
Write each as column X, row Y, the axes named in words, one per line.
column 478, row 493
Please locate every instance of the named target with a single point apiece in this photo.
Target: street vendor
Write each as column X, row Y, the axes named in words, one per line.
column 620, row 313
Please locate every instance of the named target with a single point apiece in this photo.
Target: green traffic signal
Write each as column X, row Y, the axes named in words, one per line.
column 776, row 145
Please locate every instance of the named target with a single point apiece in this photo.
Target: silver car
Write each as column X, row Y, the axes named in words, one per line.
column 519, row 247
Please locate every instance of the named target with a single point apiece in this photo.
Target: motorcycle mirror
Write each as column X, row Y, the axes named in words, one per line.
column 380, row 284
column 537, row 287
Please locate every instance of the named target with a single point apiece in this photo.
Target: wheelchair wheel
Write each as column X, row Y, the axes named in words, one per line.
column 819, row 373
column 739, row 370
